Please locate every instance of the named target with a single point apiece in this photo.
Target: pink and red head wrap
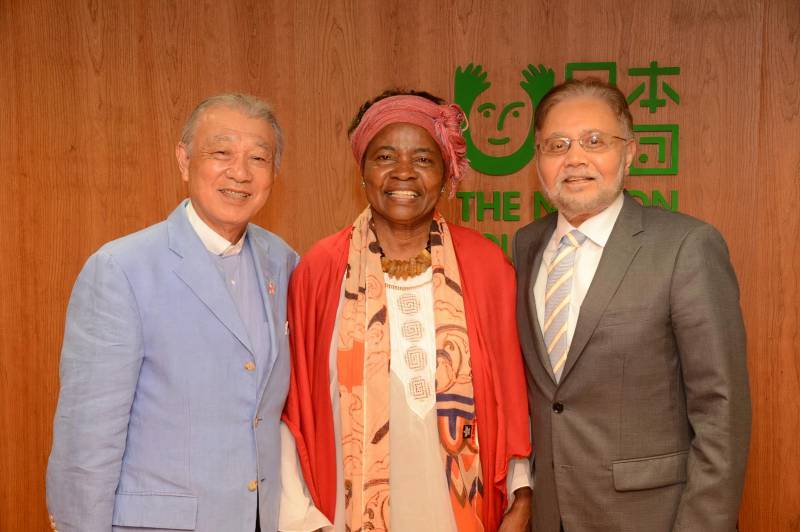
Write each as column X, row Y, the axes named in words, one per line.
column 442, row 122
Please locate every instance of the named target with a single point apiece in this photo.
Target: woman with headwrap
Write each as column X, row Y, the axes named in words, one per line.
column 407, row 381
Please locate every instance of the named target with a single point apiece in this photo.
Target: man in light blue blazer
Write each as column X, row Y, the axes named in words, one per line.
column 175, row 361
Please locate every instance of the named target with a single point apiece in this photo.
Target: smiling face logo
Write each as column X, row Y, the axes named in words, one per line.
column 488, row 109
column 470, row 83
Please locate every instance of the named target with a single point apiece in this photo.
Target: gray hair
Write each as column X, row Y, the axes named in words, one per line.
column 591, row 87
column 249, row 105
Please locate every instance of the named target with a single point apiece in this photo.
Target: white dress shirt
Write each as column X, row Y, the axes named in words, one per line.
column 213, row 241
column 597, row 230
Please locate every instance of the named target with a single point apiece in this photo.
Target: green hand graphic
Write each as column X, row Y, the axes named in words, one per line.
column 537, row 82
column 471, row 83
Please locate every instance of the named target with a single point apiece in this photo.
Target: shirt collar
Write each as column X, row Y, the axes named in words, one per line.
column 597, row 228
column 212, row 240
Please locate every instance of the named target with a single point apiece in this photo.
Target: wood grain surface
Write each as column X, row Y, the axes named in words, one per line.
column 93, row 95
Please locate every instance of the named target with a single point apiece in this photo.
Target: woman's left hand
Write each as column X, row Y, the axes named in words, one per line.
column 518, row 517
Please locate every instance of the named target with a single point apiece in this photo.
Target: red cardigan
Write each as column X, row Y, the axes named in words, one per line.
column 488, row 284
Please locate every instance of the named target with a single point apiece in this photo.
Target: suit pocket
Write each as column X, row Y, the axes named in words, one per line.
column 627, row 316
column 649, row 472
column 152, row 510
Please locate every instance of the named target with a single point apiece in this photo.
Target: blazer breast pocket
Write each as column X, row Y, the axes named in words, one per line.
column 155, row 510
column 627, row 316
column 649, row 472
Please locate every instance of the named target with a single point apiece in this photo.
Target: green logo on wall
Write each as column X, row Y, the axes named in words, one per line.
column 658, row 143
column 470, row 83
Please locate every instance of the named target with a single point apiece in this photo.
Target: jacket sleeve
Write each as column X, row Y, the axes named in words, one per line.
column 708, row 328
column 100, row 361
column 313, row 302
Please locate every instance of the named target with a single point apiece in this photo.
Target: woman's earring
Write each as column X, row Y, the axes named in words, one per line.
column 363, row 184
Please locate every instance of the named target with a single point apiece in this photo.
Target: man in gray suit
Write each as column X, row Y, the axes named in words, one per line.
column 633, row 340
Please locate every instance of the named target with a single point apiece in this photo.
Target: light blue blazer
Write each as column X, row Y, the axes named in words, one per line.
column 162, row 422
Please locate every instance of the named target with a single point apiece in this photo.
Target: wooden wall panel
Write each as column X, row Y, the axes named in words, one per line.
column 93, row 95
column 770, row 279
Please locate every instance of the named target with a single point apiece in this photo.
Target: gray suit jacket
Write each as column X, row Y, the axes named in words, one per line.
column 648, row 429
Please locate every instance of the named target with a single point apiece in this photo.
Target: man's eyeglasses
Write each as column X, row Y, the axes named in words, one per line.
column 592, row 142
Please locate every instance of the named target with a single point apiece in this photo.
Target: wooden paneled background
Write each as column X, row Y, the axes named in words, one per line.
column 93, row 94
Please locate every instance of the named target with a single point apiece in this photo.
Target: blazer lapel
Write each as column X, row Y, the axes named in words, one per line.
column 618, row 254
column 267, row 272
column 536, row 252
column 197, row 270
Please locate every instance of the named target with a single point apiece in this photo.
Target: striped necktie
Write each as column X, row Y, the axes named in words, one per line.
column 556, row 299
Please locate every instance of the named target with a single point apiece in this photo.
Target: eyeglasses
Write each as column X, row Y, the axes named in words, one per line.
column 591, row 142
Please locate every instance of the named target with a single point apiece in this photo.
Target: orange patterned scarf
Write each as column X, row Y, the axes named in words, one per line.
column 363, row 357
